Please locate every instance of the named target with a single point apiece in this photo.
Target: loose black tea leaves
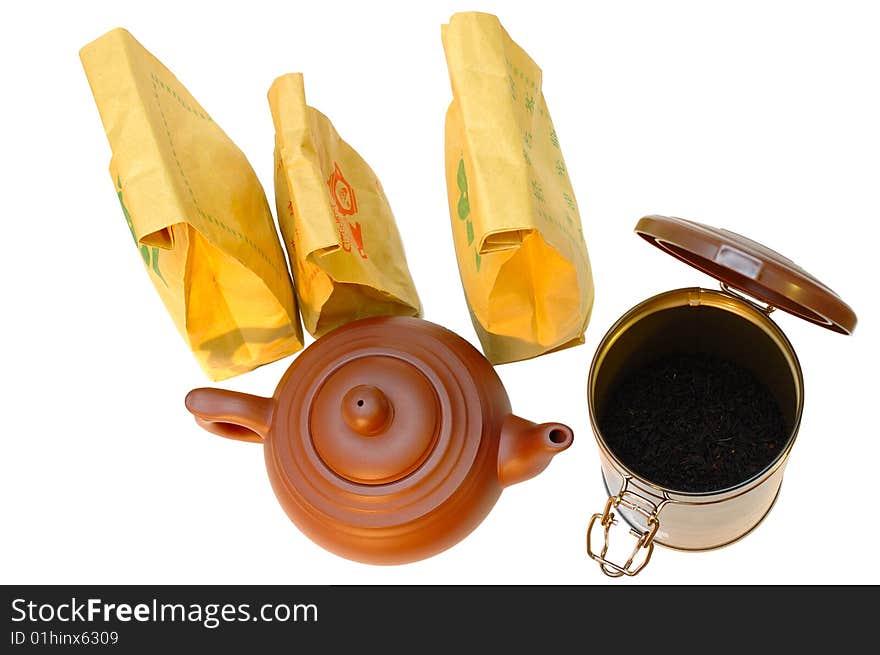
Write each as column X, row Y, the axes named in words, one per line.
column 693, row 422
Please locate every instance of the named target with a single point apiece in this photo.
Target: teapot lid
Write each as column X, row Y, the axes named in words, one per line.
column 374, row 419
column 750, row 267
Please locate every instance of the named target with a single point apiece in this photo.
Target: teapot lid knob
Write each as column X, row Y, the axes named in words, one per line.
column 366, row 410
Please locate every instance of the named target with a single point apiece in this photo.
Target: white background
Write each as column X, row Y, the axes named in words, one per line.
column 762, row 117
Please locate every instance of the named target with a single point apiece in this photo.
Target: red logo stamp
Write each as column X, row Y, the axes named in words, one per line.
column 345, row 203
column 342, row 193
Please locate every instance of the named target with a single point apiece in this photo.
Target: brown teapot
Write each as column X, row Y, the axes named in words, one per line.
column 387, row 440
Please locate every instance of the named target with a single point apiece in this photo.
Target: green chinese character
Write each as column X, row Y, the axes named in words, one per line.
column 149, row 255
column 537, row 191
column 464, row 204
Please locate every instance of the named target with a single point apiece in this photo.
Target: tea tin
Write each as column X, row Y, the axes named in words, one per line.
column 733, row 322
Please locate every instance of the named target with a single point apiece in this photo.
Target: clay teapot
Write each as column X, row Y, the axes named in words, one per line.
column 387, row 440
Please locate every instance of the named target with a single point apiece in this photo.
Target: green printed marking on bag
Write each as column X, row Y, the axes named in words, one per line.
column 464, row 209
column 149, row 255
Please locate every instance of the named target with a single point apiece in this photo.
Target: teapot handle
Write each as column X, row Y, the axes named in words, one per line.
column 231, row 414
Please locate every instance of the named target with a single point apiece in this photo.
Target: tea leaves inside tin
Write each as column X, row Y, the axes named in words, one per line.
column 693, row 423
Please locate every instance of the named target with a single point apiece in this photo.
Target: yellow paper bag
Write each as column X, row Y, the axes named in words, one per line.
column 347, row 257
column 196, row 212
column 515, row 221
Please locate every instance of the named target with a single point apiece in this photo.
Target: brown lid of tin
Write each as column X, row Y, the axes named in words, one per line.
column 750, row 267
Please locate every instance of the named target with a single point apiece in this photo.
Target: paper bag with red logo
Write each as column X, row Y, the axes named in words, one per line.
column 515, row 221
column 196, row 211
column 347, row 257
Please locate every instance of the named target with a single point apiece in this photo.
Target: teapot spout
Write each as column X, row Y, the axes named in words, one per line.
column 526, row 448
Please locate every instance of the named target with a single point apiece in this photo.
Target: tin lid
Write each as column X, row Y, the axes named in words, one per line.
column 750, row 267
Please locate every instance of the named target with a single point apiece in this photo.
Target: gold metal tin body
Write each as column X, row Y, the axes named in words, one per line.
column 691, row 319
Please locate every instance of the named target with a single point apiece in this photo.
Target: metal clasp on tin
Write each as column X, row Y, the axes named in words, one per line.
column 644, row 540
